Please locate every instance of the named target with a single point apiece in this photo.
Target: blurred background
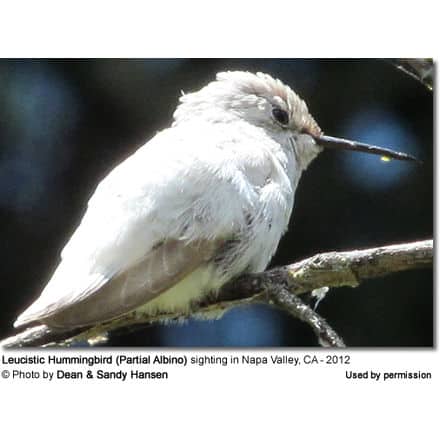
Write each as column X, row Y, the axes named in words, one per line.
column 65, row 123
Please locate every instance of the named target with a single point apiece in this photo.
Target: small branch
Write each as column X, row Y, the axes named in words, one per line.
column 278, row 286
column 293, row 304
column 422, row 69
column 39, row 335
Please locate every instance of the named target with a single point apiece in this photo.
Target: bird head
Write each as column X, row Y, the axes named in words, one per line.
column 268, row 103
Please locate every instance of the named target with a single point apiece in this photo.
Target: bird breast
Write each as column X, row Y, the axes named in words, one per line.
column 270, row 169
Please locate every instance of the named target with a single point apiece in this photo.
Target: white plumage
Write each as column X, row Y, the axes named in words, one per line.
column 200, row 203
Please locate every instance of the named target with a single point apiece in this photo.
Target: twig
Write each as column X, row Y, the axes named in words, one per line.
column 421, row 69
column 293, row 304
column 279, row 286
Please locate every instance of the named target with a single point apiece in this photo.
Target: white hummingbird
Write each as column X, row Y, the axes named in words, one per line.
column 199, row 204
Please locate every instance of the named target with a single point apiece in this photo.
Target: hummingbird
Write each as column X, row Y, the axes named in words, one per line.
column 202, row 202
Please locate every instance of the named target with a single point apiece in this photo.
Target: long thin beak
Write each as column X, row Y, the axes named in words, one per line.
column 344, row 144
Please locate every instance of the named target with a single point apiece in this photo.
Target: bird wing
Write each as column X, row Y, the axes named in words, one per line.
column 163, row 267
column 145, row 229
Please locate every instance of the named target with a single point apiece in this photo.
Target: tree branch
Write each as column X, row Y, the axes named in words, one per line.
column 422, row 69
column 280, row 286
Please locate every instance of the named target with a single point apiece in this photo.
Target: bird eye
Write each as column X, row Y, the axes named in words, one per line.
column 280, row 115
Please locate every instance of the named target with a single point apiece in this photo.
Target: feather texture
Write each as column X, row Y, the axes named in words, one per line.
column 161, row 269
column 195, row 206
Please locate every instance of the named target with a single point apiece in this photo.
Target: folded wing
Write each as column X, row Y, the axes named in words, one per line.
column 161, row 269
column 144, row 230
